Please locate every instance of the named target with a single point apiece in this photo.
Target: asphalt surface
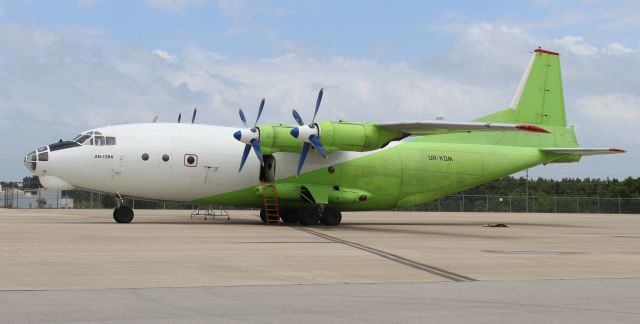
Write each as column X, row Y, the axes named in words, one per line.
column 78, row 266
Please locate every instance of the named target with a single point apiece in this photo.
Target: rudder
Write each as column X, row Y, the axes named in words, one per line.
column 539, row 98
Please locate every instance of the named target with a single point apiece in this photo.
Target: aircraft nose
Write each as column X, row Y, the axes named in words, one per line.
column 39, row 155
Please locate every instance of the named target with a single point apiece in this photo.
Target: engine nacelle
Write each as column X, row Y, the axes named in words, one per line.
column 335, row 136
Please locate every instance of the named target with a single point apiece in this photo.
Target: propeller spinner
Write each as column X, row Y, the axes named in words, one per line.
column 250, row 136
column 308, row 134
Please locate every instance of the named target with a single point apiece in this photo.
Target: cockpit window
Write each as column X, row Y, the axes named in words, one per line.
column 98, row 140
column 94, row 138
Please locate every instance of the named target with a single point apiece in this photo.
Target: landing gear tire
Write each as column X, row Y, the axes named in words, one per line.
column 331, row 217
column 263, row 215
column 123, row 214
column 309, row 216
column 289, row 216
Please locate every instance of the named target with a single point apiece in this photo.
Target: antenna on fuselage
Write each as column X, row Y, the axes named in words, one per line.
column 193, row 118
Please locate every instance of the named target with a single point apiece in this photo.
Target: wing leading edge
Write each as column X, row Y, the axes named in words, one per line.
column 579, row 151
column 434, row 127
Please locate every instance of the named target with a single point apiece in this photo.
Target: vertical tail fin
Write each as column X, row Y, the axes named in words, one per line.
column 539, row 98
column 539, row 101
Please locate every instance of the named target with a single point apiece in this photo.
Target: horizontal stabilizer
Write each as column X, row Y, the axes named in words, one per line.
column 579, row 151
column 434, row 127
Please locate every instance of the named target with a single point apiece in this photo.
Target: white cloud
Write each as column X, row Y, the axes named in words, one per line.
column 617, row 107
column 174, row 5
column 576, row 45
column 165, row 55
column 616, row 49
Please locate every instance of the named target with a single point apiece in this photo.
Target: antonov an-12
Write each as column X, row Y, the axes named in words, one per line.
column 355, row 166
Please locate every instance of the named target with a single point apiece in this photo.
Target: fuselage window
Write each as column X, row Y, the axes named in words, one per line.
column 111, row 140
column 165, row 157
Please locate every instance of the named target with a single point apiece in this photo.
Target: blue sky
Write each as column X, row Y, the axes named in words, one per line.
column 67, row 66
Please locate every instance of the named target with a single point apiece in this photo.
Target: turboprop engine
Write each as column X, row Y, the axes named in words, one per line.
column 324, row 137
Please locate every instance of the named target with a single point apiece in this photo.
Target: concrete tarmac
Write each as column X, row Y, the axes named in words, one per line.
column 389, row 266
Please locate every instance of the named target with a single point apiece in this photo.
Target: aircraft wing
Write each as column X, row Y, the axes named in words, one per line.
column 433, row 127
column 579, row 151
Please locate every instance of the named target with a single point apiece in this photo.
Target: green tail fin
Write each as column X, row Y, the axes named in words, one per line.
column 539, row 99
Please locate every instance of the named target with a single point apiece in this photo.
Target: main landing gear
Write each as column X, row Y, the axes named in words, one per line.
column 122, row 213
column 308, row 216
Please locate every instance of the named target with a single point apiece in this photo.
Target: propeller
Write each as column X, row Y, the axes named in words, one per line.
column 155, row 119
column 193, row 118
column 250, row 136
column 308, row 134
column 179, row 117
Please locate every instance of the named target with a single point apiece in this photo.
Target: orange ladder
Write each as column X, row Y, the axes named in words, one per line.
column 270, row 197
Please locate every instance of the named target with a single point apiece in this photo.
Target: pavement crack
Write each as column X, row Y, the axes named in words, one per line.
column 392, row 257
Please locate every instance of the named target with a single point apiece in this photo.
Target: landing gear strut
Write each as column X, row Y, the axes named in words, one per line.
column 122, row 213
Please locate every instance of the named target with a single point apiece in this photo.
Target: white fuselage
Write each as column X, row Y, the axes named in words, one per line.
column 120, row 168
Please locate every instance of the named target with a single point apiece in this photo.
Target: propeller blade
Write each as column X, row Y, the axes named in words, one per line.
column 245, row 154
column 256, row 148
column 155, row 119
column 244, row 120
column 318, row 145
column 317, row 105
column 303, row 156
column 193, row 118
column 259, row 113
column 179, row 117
column 297, row 117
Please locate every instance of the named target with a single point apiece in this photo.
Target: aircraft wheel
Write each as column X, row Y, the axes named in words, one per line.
column 289, row 216
column 331, row 217
column 263, row 215
column 309, row 216
column 123, row 214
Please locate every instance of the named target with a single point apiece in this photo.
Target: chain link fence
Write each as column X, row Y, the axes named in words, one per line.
column 532, row 204
column 43, row 198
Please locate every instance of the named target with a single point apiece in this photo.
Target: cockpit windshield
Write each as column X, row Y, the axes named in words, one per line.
column 94, row 138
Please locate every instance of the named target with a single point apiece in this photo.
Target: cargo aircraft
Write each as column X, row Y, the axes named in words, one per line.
column 310, row 172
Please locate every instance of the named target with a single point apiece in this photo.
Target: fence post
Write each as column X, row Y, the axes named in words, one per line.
column 619, row 205
column 533, row 204
column 509, row 202
column 577, row 205
column 598, row 203
column 486, row 194
column 463, row 201
column 555, row 204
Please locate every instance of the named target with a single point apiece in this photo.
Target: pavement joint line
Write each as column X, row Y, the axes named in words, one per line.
column 392, row 257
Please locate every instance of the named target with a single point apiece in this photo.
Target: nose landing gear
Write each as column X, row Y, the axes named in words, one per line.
column 122, row 213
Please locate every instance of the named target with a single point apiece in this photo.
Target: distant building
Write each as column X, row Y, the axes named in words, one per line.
column 34, row 198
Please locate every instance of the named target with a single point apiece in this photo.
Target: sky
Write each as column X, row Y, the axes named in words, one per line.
column 69, row 66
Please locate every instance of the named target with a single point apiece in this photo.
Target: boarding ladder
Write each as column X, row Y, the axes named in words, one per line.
column 270, row 197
